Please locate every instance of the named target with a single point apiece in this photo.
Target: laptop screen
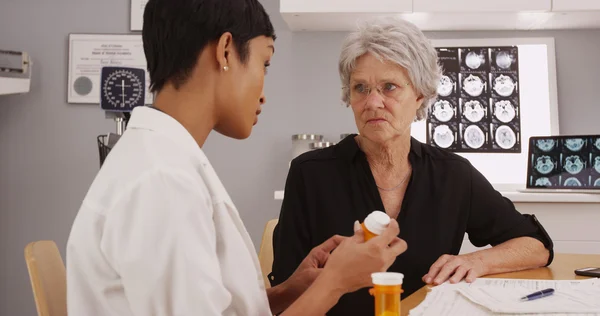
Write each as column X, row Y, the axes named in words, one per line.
column 564, row 162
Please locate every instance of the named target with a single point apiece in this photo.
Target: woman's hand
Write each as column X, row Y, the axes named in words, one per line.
column 350, row 266
column 284, row 294
column 455, row 269
column 513, row 255
column 348, row 269
column 310, row 268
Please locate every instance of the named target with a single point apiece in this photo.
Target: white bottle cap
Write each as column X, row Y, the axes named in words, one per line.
column 376, row 222
column 387, row 278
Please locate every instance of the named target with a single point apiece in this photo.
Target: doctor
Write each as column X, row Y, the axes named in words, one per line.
column 157, row 233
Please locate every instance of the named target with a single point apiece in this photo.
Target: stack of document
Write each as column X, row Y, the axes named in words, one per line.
column 503, row 297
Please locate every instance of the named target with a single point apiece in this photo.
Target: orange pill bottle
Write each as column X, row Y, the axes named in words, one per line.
column 375, row 224
column 386, row 292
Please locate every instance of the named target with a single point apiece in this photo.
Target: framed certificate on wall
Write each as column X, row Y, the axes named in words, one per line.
column 88, row 53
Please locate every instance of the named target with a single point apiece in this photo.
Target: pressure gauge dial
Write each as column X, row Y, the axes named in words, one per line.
column 122, row 88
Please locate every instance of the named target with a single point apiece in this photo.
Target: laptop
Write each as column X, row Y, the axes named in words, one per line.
column 567, row 164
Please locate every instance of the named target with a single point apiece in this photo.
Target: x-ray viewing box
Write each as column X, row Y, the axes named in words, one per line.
column 15, row 72
column 538, row 105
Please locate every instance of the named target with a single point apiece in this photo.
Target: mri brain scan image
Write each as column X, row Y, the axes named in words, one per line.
column 597, row 182
column 474, row 60
column 480, row 87
column 443, row 136
column 544, row 164
column 473, row 85
column 573, row 164
column 504, row 111
column 597, row 164
column 543, row 182
column 545, row 144
column 474, row 137
column 574, row 144
column 504, row 85
column 505, row 137
column 446, row 86
column 572, row 182
column 503, row 60
column 473, row 111
column 597, row 143
column 443, row 110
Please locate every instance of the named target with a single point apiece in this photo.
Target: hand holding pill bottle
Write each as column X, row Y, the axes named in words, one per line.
column 375, row 224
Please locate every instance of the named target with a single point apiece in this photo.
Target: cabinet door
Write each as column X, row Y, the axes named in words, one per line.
column 575, row 5
column 345, row 6
column 482, row 5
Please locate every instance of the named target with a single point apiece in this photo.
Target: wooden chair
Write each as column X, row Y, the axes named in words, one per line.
column 265, row 255
column 48, row 278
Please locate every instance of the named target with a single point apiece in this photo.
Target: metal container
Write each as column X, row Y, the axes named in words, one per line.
column 301, row 143
column 342, row 136
column 319, row 145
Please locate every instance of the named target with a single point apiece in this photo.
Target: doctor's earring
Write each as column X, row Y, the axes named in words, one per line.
column 225, row 68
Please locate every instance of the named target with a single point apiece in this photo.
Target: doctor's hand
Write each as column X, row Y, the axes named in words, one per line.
column 312, row 265
column 455, row 269
column 350, row 266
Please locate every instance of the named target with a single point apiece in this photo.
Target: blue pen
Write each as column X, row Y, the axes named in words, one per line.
column 538, row 294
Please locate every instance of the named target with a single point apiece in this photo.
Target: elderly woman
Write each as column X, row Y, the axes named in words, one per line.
column 389, row 72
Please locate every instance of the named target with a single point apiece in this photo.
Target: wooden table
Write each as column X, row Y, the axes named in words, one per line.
column 561, row 269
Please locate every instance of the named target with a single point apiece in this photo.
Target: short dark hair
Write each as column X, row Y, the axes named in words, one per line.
column 176, row 31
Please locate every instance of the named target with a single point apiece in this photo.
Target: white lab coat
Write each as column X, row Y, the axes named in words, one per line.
column 157, row 234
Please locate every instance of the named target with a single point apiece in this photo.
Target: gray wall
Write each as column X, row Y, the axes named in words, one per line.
column 48, row 152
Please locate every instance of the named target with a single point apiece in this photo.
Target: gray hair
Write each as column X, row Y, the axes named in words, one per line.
column 398, row 41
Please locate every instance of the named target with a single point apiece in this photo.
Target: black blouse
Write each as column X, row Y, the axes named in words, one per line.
column 328, row 189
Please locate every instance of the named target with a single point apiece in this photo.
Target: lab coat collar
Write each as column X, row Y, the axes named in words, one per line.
column 146, row 118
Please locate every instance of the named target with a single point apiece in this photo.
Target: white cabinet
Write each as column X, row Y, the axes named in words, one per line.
column 482, row 6
column 444, row 15
column 575, row 5
column 337, row 15
column 345, row 6
column 572, row 226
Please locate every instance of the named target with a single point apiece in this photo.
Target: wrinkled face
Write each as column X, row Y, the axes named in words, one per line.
column 240, row 94
column 382, row 98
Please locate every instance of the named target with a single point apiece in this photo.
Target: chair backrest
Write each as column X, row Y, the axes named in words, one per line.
column 48, row 278
column 265, row 255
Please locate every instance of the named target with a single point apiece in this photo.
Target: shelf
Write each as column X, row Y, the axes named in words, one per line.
column 551, row 197
column 530, row 197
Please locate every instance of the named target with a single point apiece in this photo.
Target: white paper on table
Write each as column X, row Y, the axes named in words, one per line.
column 533, row 285
column 503, row 296
column 447, row 299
